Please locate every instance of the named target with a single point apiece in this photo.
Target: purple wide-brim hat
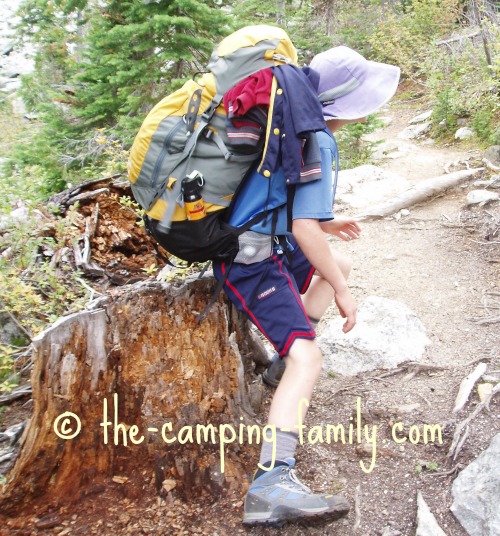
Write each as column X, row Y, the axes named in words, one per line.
column 350, row 86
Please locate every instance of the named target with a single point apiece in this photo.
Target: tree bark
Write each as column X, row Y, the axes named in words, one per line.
column 140, row 352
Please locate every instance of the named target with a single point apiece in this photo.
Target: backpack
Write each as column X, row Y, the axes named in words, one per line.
column 184, row 137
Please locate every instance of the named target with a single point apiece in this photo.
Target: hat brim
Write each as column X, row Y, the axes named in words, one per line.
column 376, row 89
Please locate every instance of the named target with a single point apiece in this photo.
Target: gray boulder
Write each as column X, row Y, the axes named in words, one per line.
column 464, row 133
column 476, row 493
column 493, row 154
column 386, row 334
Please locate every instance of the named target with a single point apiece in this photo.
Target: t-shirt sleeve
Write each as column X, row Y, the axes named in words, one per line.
column 314, row 200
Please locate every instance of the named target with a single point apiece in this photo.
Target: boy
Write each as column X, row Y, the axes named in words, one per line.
column 268, row 291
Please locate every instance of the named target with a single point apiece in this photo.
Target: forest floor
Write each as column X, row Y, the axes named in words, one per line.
column 439, row 260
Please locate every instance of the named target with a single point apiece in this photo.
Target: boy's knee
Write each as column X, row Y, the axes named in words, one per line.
column 306, row 353
column 344, row 262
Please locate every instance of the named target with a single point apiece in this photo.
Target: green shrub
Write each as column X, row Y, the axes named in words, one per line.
column 354, row 150
column 463, row 86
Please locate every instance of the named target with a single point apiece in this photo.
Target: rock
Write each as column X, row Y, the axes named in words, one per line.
column 484, row 390
column 415, row 131
column 493, row 154
column 391, row 149
column 481, row 197
column 421, row 118
column 20, row 214
column 363, row 186
column 6, row 47
column 389, row 531
column 426, row 522
column 464, row 133
column 13, row 433
column 387, row 333
column 169, row 485
column 461, row 122
column 476, row 491
column 10, row 332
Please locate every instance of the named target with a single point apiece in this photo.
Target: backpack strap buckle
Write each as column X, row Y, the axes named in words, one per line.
column 210, row 111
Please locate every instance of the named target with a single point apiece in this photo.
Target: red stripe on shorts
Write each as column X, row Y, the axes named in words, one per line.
column 245, row 307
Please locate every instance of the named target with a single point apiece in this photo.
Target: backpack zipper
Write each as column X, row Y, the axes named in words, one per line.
column 163, row 153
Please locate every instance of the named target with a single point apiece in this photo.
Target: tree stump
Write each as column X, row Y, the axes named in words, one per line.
column 138, row 361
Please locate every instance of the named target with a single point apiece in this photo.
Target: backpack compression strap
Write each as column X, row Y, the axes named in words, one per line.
column 174, row 194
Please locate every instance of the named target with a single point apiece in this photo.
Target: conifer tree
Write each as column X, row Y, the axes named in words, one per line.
column 102, row 64
column 138, row 51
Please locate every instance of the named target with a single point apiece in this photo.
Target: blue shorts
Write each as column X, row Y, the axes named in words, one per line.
column 268, row 293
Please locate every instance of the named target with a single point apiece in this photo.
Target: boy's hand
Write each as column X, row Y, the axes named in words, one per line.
column 347, row 308
column 345, row 228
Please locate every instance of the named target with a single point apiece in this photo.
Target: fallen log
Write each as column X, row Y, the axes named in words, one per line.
column 419, row 193
column 121, row 391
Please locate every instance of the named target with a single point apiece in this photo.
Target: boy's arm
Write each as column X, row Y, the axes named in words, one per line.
column 314, row 244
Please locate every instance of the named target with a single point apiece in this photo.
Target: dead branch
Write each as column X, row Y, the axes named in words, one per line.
column 450, row 472
column 459, row 38
column 457, row 443
column 89, row 268
column 87, row 195
column 483, row 321
column 490, row 165
column 467, row 385
column 16, row 394
column 421, row 192
column 357, row 508
column 412, row 367
column 19, row 325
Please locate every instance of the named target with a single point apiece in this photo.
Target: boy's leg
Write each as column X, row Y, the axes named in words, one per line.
column 276, row 495
column 268, row 294
column 316, row 300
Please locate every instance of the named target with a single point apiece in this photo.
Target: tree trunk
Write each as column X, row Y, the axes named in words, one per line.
column 138, row 352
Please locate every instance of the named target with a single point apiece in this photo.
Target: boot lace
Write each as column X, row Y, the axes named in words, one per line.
column 293, row 480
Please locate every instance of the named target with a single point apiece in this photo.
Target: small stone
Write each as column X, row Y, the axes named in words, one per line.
column 421, row 118
column 119, row 479
column 415, row 131
column 427, row 524
column 124, row 519
column 169, row 485
column 484, row 390
column 408, row 408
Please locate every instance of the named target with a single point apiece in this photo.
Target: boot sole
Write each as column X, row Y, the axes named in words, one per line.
column 307, row 520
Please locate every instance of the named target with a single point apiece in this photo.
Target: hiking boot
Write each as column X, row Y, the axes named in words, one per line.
column 278, row 497
column 272, row 375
